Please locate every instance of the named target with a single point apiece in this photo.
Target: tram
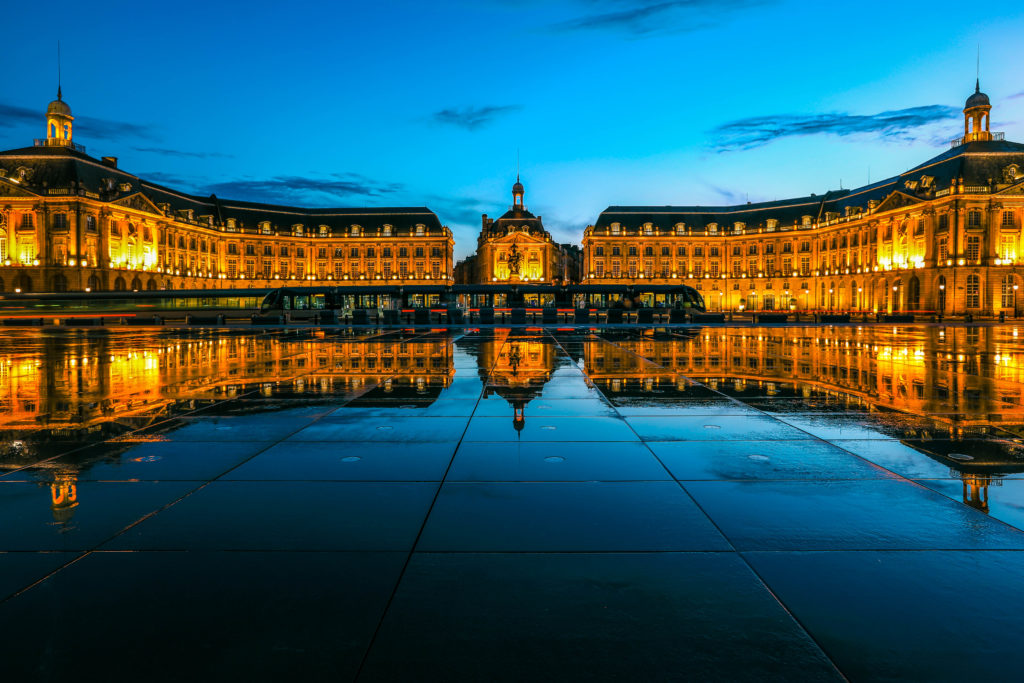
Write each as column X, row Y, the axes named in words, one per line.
column 302, row 302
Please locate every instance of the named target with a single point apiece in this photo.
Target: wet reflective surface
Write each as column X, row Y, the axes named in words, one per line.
column 736, row 503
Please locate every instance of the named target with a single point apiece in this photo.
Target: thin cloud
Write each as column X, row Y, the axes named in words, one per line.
column 731, row 198
column 182, row 155
column 1015, row 96
column 472, row 118
column 86, row 127
column 643, row 17
column 900, row 124
column 294, row 189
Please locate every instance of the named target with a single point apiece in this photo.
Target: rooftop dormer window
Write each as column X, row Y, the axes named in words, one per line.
column 805, row 221
column 298, row 229
column 738, row 227
column 265, row 227
column 420, row 229
column 354, row 231
column 323, row 231
column 648, row 229
column 232, row 224
column 387, row 231
column 712, row 228
column 680, row 228
column 772, row 224
column 616, row 229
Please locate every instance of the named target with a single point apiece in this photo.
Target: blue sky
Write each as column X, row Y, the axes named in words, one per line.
column 606, row 101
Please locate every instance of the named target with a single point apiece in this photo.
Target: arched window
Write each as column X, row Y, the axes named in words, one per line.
column 914, row 294
column 3, row 245
column 973, row 292
column 119, row 285
column 94, row 283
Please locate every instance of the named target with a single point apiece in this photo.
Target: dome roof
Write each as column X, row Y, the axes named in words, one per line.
column 59, row 106
column 978, row 99
column 518, row 188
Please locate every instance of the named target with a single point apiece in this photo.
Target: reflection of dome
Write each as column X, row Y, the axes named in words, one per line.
column 978, row 99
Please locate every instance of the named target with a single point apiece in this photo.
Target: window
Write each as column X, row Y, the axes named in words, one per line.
column 648, row 251
column 1007, row 221
column 1007, row 247
column 265, row 227
column 737, row 268
column 599, row 269
column 648, row 229
column 680, row 251
column 599, row 251
column 648, row 269
column 420, row 230
column 300, row 252
column 387, row 231
column 943, row 222
column 419, row 252
column 787, row 247
column 632, row 270
column 435, row 270
column 616, row 269
column 943, row 250
column 250, row 268
column 27, row 222
column 339, row 269
column 282, row 268
column 90, row 223
column 268, row 250
column 284, row 250
column 232, row 268
column 403, row 252
column 973, row 247
column 787, row 266
column 737, row 250
column 386, row 270
column 698, row 251
column 769, row 265
column 974, row 219
column 267, row 269
column 752, row 266
column 232, row 248
column 666, row 251
column 713, row 251
column 616, row 229
column 713, row 268
column 632, row 250
column 353, row 252
column 973, row 295
column 60, row 221
column 1007, row 295
column 323, row 231
column 250, row 250
column 616, row 251
column 386, row 252
column 805, row 265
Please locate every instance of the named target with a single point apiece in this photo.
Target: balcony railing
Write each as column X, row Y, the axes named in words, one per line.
column 974, row 137
column 54, row 142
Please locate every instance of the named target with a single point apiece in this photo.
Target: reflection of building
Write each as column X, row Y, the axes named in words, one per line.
column 72, row 222
column 516, row 368
column 71, row 390
column 517, row 248
column 943, row 236
column 966, row 380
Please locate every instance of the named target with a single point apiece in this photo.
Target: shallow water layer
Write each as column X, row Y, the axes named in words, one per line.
column 518, row 503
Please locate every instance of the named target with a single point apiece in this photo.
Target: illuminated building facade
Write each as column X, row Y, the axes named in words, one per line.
column 70, row 222
column 944, row 236
column 516, row 248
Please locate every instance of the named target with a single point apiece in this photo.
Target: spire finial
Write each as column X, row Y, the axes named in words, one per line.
column 58, row 70
column 977, row 71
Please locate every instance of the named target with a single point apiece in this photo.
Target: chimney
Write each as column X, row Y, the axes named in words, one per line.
column 110, row 161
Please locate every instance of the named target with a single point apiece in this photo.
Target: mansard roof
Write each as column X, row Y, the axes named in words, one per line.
column 976, row 164
column 69, row 171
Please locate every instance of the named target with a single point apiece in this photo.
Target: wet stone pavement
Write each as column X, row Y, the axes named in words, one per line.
column 811, row 503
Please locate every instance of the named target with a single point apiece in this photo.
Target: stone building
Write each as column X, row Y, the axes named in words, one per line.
column 70, row 222
column 944, row 236
column 516, row 248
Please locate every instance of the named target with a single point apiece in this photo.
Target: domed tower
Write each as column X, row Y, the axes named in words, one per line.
column 58, row 122
column 517, row 195
column 976, row 113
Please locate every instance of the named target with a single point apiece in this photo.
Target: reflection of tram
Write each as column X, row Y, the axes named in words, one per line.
column 295, row 301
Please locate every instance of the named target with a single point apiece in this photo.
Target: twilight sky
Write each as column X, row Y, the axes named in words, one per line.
column 393, row 103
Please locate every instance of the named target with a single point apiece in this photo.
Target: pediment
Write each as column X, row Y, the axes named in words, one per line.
column 138, row 202
column 896, row 200
column 1015, row 190
column 9, row 188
